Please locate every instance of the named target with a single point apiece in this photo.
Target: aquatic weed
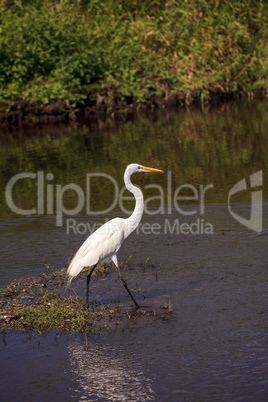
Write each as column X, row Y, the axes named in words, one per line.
column 38, row 304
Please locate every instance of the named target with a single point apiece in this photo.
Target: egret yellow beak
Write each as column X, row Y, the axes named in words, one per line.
column 148, row 169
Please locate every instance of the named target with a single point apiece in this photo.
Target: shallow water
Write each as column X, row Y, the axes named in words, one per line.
column 213, row 346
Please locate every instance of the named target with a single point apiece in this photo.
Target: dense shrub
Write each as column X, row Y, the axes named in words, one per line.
column 71, row 50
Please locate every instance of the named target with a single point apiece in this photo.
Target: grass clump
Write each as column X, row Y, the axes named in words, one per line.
column 67, row 55
column 39, row 304
column 52, row 312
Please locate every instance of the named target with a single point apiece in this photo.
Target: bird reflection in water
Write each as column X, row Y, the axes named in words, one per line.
column 104, row 374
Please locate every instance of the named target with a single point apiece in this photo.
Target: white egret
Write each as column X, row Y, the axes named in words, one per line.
column 103, row 245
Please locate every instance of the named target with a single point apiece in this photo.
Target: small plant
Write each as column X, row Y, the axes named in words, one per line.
column 168, row 307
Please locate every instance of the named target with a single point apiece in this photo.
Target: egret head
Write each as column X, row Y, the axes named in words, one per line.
column 135, row 167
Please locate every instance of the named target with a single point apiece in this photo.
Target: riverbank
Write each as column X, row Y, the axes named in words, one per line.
column 55, row 112
column 63, row 59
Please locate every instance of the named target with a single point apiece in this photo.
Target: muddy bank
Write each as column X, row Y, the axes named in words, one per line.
column 109, row 104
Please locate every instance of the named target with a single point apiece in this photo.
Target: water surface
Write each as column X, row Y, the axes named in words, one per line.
column 214, row 344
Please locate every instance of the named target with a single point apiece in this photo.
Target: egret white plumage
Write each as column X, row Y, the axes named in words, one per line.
column 103, row 245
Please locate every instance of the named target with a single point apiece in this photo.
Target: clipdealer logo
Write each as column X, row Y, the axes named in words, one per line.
column 50, row 200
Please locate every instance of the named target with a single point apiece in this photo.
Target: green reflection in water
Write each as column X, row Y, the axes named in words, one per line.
column 219, row 147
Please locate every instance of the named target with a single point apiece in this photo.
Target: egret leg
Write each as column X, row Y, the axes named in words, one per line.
column 114, row 259
column 88, row 280
column 130, row 294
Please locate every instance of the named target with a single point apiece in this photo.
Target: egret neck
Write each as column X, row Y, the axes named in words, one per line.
column 132, row 222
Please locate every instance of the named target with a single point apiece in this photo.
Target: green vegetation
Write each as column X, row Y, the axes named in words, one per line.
column 65, row 55
column 37, row 304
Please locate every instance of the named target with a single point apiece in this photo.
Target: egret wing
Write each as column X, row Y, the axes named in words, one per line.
column 100, row 246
